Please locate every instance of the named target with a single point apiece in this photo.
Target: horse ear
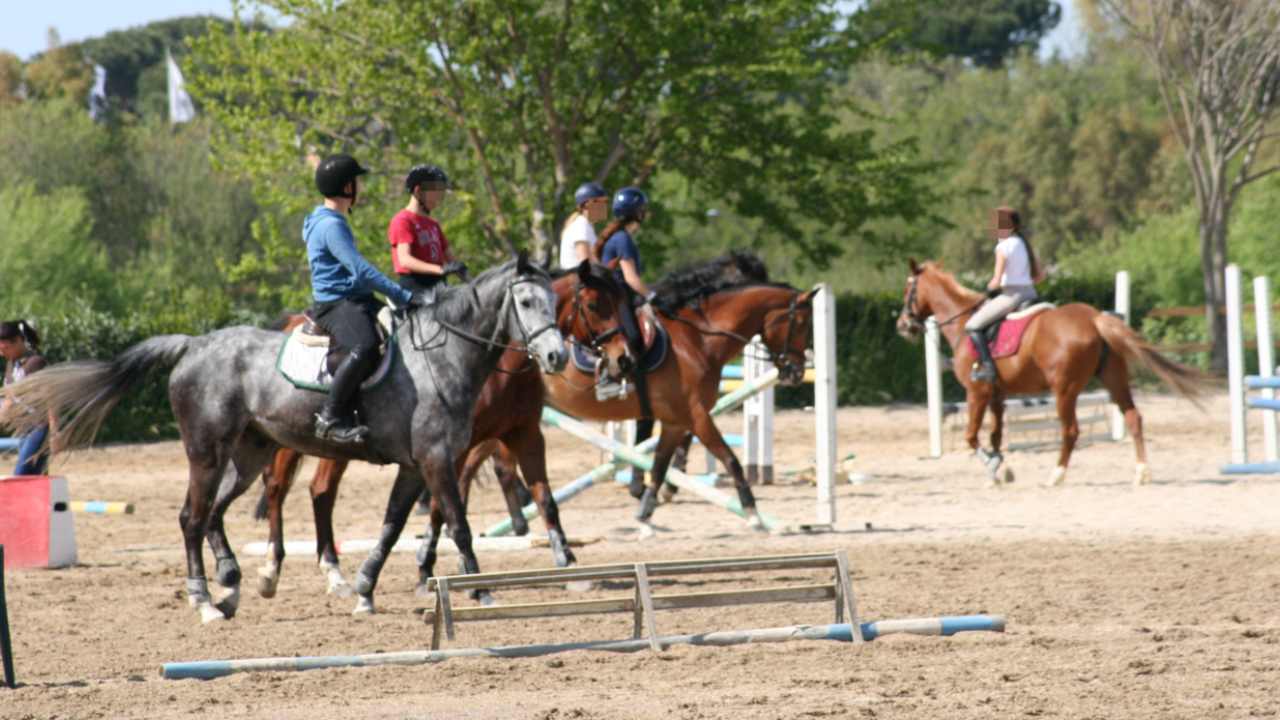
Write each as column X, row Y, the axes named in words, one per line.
column 807, row 297
column 522, row 263
column 916, row 269
column 584, row 270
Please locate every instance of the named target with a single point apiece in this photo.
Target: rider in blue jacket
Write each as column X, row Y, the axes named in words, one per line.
column 342, row 287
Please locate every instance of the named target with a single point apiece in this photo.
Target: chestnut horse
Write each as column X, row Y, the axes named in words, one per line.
column 587, row 300
column 1062, row 350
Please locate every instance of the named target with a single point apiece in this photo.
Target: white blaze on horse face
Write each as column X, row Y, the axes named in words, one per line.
column 535, row 306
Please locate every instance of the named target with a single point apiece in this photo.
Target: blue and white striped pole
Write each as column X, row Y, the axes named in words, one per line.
column 944, row 626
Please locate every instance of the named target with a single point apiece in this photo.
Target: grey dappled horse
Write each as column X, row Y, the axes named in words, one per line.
column 234, row 410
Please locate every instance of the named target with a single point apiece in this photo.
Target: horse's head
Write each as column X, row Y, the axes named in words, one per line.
column 786, row 335
column 589, row 300
column 915, row 301
column 532, row 319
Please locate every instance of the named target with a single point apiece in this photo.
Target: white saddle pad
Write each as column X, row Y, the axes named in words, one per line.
column 302, row 358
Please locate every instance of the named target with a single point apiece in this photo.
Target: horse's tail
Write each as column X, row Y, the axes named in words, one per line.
column 82, row 393
column 264, row 502
column 1188, row 382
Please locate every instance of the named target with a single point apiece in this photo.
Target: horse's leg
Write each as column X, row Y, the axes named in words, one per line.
column 204, row 474
column 514, row 490
column 679, row 461
column 644, row 430
column 324, row 493
column 668, row 441
column 1115, row 377
column 997, row 437
column 279, row 480
column 427, row 550
column 530, row 450
column 249, row 456
column 1065, row 399
column 404, row 493
column 441, row 477
column 977, row 397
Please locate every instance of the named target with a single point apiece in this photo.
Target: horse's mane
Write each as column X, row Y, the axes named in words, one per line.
column 949, row 282
column 687, row 284
column 455, row 303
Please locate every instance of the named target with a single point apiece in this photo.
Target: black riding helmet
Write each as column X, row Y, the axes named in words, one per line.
column 334, row 172
column 419, row 174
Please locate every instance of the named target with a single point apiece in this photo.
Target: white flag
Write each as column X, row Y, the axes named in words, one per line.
column 180, row 107
column 98, row 93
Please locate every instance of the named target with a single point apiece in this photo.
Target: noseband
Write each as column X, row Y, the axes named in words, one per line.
column 784, row 360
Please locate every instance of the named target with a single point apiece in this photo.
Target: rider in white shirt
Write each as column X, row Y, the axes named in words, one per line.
column 1012, row 284
column 579, row 234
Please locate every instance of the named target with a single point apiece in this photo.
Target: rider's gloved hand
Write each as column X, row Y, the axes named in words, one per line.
column 420, row 299
column 456, row 267
column 994, row 292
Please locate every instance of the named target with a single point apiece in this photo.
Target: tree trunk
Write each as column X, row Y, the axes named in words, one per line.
column 1213, row 263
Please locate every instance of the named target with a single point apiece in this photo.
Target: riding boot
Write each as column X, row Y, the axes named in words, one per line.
column 985, row 370
column 334, row 422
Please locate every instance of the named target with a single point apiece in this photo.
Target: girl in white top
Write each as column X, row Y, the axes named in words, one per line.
column 579, row 234
column 1012, row 284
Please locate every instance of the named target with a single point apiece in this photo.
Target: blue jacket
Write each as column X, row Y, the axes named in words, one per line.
column 338, row 270
column 621, row 245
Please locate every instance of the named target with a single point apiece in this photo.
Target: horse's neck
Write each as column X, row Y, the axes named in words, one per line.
column 736, row 313
column 953, row 309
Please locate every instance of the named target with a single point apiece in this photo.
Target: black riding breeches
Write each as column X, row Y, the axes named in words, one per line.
column 352, row 324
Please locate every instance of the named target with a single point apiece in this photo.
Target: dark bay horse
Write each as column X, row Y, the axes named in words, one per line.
column 234, row 410
column 587, row 302
column 1062, row 350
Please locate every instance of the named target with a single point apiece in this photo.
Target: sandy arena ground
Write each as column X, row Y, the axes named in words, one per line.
column 1123, row 602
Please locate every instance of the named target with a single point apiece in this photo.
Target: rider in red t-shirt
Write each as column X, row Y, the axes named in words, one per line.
column 419, row 251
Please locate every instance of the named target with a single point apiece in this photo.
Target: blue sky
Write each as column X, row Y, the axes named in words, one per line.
column 25, row 22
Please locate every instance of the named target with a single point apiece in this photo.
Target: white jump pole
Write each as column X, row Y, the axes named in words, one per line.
column 757, row 418
column 1266, row 359
column 1122, row 309
column 933, row 384
column 1235, row 365
column 824, row 400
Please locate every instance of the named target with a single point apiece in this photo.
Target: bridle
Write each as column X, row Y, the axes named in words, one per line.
column 913, row 314
column 784, row 360
column 492, row 342
column 579, row 313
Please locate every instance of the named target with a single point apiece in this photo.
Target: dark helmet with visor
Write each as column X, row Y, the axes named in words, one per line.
column 334, row 172
column 588, row 191
column 435, row 178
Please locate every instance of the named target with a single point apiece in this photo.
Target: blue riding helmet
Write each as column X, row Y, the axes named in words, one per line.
column 630, row 203
column 588, row 191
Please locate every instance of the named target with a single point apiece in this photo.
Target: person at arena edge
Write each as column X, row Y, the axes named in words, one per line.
column 578, row 238
column 342, row 287
column 617, row 242
column 1012, row 284
column 20, row 347
column 419, row 250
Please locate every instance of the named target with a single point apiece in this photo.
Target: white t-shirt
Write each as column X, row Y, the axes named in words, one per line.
column 1017, row 263
column 579, row 230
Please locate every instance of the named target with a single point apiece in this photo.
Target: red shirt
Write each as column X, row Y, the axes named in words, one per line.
column 424, row 235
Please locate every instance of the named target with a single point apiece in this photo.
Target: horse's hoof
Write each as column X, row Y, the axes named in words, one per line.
column 364, row 606
column 1058, row 478
column 340, row 589
column 755, row 522
column 423, row 590
column 520, row 529
column 209, row 613
column 1142, row 475
column 1008, row 476
column 667, row 494
column 648, row 503
column 580, row 586
column 645, row 530
column 267, row 583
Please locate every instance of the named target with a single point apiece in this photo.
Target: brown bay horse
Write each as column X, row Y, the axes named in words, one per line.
column 587, row 301
column 1062, row 350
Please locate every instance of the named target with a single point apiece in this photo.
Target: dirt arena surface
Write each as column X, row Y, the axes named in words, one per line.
column 1122, row 602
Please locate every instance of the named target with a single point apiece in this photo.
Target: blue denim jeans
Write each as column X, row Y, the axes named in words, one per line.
column 30, row 462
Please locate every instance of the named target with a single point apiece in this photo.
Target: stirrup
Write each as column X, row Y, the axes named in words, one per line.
column 339, row 431
column 983, row 373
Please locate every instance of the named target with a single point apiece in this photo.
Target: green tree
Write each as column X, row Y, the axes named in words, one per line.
column 10, row 78
column 60, row 72
column 524, row 100
column 49, row 262
column 985, row 32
